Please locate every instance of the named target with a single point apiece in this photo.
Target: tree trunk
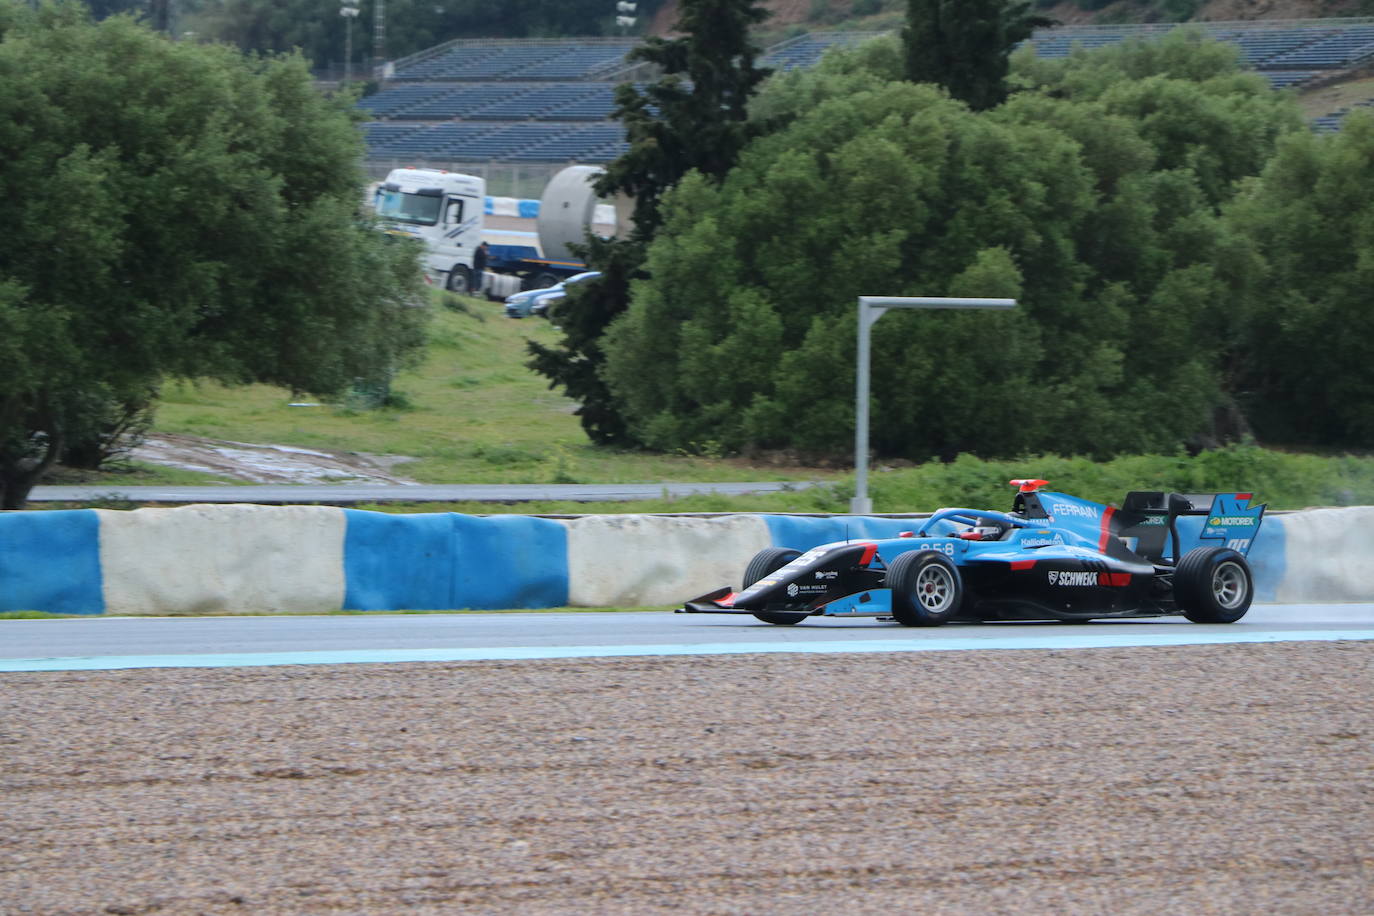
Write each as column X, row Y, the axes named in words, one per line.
column 17, row 478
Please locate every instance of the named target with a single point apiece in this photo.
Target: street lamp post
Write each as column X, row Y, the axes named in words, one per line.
column 871, row 308
column 349, row 11
column 379, row 39
column 625, row 18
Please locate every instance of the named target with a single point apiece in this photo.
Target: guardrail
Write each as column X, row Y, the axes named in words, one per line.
column 227, row 559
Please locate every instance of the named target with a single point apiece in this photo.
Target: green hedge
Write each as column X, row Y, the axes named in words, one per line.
column 1282, row 480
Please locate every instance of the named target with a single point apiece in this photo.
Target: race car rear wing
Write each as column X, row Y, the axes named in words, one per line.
column 1149, row 517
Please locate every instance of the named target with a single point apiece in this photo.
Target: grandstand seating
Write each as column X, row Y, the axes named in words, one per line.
column 382, row 134
column 550, row 100
column 1282, row 79
column 399, row 96
column 533, row 103
column 806, row 50
column 1332, row 122
column 1335, row 50
column 1313, row 45
column 521, row 60
column 456, row 103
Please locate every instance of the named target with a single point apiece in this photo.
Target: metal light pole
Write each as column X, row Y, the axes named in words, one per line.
column 626, row 18
column 349, row 11
column 871, row 308
column 379, row 39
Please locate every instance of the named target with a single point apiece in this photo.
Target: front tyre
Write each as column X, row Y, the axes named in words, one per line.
column 459, row 280
column 927, row 589
column 770, row 560
column 1213, row 585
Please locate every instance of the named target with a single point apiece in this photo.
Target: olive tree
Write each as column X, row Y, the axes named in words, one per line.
column 174, row 209
column 1093, row 196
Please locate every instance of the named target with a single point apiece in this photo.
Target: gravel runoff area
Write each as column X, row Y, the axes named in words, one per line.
column 1220, row 779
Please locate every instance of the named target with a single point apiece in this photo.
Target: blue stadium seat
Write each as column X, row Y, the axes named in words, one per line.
column 1283, row 79
column 551, row 100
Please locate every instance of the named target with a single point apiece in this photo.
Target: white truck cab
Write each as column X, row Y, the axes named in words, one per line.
column 441, row 209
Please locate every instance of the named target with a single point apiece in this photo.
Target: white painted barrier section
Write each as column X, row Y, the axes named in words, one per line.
column 210, row 559
column 1329, row 556
column 637, row 560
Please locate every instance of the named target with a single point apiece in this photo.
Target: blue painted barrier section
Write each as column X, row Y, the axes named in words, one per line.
column 510, row 561
column 448, row 561
column 50, row 561
column 801, row 533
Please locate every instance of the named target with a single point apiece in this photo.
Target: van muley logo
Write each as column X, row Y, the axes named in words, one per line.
column 1232, row 519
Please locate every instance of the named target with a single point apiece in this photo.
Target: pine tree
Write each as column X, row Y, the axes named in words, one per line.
column 965, row 45
column 692, row 118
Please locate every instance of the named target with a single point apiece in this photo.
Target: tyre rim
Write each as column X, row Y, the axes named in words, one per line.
column 1228, row 585
column 934, row 588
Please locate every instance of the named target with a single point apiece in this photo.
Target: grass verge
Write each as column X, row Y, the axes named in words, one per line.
column 472, row 412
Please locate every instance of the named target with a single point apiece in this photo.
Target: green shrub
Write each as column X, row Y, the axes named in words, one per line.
column 1282, row 480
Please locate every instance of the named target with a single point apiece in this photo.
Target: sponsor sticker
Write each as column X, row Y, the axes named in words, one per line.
column 1041, row 539
column 1072, row 579
column 946, row 548
column 1081, row 511
column 1233, row 520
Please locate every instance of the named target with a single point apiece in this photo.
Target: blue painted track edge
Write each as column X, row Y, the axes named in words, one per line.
column 518, row 653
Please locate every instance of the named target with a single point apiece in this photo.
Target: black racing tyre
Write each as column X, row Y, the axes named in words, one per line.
column 770, row 560
column 1213, row 585
column 927, row 589
column 459, row 280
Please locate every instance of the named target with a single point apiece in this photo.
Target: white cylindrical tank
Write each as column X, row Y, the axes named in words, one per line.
column 570, row 209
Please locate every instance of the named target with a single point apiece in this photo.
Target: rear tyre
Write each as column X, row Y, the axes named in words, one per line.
column 1213, row 585
column 927, row 589
column 770, row 560
column 543, row 281
column 459, row 280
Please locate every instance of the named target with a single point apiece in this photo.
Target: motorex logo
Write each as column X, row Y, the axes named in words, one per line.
column 1232, row 519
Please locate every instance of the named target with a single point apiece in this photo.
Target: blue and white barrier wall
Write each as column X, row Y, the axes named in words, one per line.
column 293, row 559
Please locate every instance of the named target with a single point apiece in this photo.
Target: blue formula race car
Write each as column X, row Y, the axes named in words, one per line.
column 1053, row 556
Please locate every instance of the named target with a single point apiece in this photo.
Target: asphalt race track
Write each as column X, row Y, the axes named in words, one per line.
column 146, row 642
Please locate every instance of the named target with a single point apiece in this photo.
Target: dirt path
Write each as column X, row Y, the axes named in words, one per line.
column 258, row 463
column 1231, row 779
